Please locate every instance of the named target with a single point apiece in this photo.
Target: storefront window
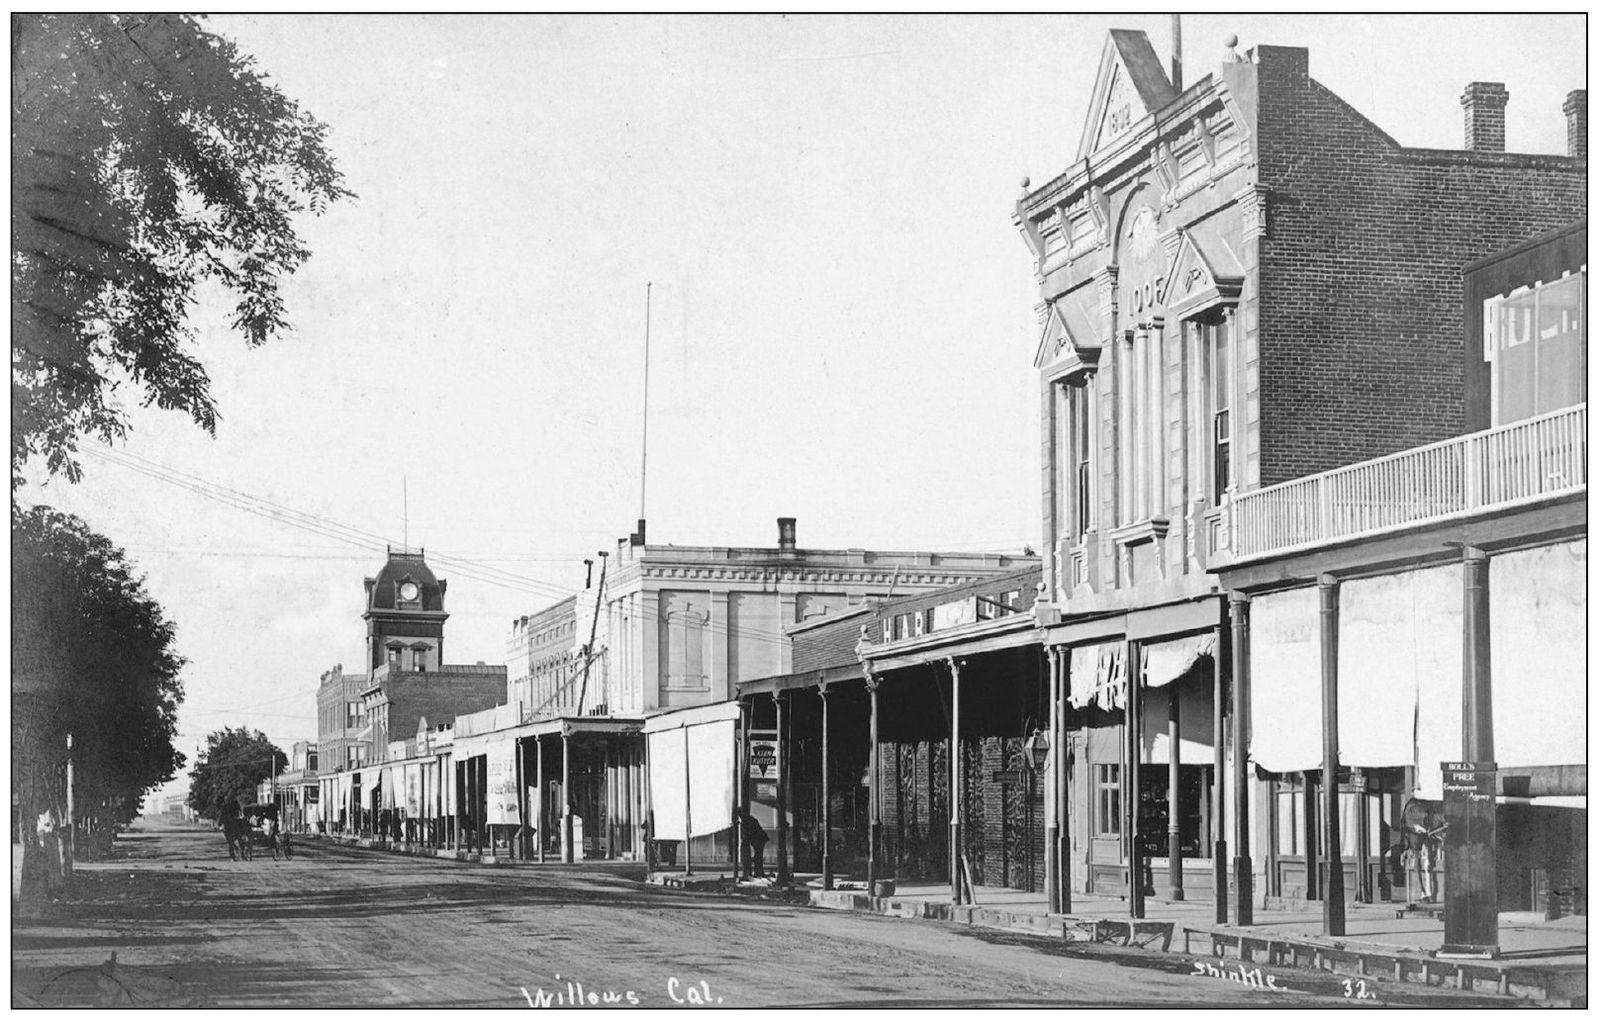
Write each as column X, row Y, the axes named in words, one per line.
column 1108, row 799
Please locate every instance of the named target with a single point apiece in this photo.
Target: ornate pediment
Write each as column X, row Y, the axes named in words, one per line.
column 1204, row 272
column 1131, row 84
column 1069, row 337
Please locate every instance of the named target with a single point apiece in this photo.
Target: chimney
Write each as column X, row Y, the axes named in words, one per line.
column 588, row 572
column 637, row 537
column 1177, row 53
column 1484, row 103
column 1577, row 110
column 786, row 535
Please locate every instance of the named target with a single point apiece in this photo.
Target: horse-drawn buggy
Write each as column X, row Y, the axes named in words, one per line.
column 255, row 826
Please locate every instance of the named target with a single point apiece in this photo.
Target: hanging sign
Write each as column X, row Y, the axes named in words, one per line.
column 764, row 756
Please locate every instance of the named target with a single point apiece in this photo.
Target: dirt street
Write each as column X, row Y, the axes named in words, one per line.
column 343, row 927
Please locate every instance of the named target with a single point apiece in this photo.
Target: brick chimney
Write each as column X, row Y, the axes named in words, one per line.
column 786, row 535
column 1577, row 110
column 1484, row 105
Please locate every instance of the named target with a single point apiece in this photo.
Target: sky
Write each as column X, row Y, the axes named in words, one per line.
column 841, row 310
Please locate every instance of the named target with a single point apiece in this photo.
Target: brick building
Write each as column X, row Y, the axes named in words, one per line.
column 1242, row 281
column 340, row 720
column 1435, row 598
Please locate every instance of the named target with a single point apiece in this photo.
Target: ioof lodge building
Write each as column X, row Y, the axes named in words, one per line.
column 1313, row 447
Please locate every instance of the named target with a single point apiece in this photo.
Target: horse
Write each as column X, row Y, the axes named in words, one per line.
column 236, row 830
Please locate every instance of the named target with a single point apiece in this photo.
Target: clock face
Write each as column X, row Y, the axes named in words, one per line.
column 408, row 590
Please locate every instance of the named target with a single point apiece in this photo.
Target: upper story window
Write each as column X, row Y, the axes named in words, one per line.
column 394, row 656
column 1138, row 374
column 352, row 716
column 1535, row 342
column 419, row 658
column 1215, row 350
column 311, row 760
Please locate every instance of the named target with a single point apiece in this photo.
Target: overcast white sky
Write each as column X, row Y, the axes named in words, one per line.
column 842, row 310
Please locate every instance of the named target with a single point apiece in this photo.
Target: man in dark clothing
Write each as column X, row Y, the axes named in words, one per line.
column 755, row 845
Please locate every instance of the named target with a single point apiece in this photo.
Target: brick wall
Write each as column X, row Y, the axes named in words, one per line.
column 441, row 696
column 1361, row 347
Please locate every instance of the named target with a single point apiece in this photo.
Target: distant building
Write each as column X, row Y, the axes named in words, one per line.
column 674, row 629
column 340, row 721
column 406, row 702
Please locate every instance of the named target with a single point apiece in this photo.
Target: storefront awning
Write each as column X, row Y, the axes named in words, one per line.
column 1166, row 662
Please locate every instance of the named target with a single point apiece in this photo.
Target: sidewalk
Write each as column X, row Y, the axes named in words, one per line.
column 1538, row 959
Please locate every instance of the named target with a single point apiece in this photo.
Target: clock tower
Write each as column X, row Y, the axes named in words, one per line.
column 405, row 615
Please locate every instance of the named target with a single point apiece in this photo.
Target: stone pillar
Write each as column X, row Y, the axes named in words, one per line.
column 1239, row 619
column 1333, row 896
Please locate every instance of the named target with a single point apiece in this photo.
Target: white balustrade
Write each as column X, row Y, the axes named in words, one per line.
column 1526, row 460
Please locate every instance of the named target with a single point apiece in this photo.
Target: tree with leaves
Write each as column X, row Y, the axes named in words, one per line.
column 91, row 658
column 235, row 762
column 149, row 156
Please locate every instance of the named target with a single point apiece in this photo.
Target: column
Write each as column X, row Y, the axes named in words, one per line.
column 649, row 810
column 955, row 778
column 1239, row 619
column 1061, row 778
column 688, row 795
column 567, row 853
column 827, row 794
column 1131, row 654
column 783, row 789
column 1174, row 829
column 1333, row 898
column 742, row 790
column 541, row 828
column 1471, row 897
column 1358, row 780
column 608, row 796
column 1477, row 707
column 1220, row 661
column 519, row 843
column 874, row 820
column 1052, row 802
column 721, row 634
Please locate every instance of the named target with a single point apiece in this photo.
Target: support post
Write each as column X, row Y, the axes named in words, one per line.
column 567, row 847
column 542, row 828
column 1239, row 652
column 1333, row 897
column 1174, row 828
column 827, row 794
column 1052, row 798
column 1221, row 660
column 70, row 834
column 688, row 826
column 1132, row 706
column 955, row 778
column 742, row 868
column 649, row 811
column 1063, row 778
column 520, row 841
column 1471, row 898
column 874, row 820
column 783, row 789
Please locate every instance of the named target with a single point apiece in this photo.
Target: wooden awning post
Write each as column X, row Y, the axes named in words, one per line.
column 1052, row 798
column 827, row 793
column 783, row 789
column 1174, row 805
column 955, row 778
column 1239, row 619
column 874, row 820
column 568, row 849
column 1333, row 896
column 1132, row 705
column 1060, row 779
column 541, row 828
column 1220, row 662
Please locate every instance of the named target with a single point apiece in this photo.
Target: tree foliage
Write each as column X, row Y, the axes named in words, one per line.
column 236, row 761
column 149, row 156
column 91, row 656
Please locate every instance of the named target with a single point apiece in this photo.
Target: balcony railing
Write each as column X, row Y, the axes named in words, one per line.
column 1519, row 462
